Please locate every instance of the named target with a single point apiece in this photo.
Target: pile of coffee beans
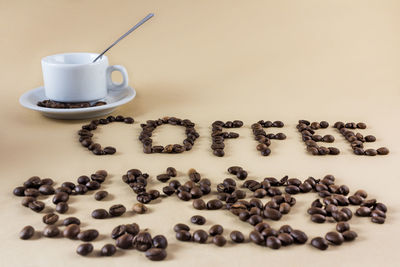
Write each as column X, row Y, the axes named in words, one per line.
column 36, row 188
column 86, row 135
column 357, row 140
column 56, row 104
column 218, row 135
column 129, row 236
column 307, row 130
column 151, row 125
column 263, row 138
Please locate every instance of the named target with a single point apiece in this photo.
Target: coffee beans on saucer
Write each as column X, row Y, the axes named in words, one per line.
column 66, row 105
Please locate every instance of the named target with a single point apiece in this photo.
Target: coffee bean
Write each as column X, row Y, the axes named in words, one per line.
column 181, row 226
column 160, row 241
column 143, row 197
column 273, row 242
column 124, row 241
column 342, row 227
column 285, row 229
column 142, row 241
column 26, row 200
column 199, row 204
column 257, row 238
column 100, row 178
column 272, row 214
column 33, row 182
column 46, row 189
column 93, row 185
column 219, row 240
column 88, row 235
column 19, row 191
column 183, row 235
column 299, row 236
column 71, row 220
column 286, row 239
column 214, row 204
column 171, row 171
column 62, row 207
column 51, row 231
column 117, row 210
column 163, row 177
column 370, row 152
column 378, row 219
column 84, row 249
column 156, row 254
column 31, row 192
column 198, row 219
column 335, row 238
column 36, row 205
column 216, row 230
column 380, row 206
column 234, row 169
column 60, row 197
column 50, row 218
column 168, row 190
column 349, row 235
column 319, row 243
column 363, row 211
column 71, row 231
column 83, row 179
column 27, row 232
column 237, row 236
column 318, row 218
column 100, row 214
column 200, row 236
column 242, row 174
column 139, row 208
column 108, row 250
column 100, row 195
column 382, row 151
column 184, row 195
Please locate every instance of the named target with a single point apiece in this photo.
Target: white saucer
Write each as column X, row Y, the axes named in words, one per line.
column 113, row 100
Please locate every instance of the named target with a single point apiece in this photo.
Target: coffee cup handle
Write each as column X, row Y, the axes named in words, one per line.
column 117, row 86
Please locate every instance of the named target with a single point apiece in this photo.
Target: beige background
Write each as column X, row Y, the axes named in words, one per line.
column 207, row 60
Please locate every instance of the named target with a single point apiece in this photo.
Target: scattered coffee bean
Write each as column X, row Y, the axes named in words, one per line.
column 335, row 238
column 183, row 235
column 219, row 240
column 214, row 204
column 142, row 241
column 100, row 214
column 139, row 208
column 27, row 232
column 199, row 204
column 100, row 195
column 237, row 237
column 156, row 254
column 198, row 219
column 62, row 207
column 181, row 226
column 71, row 231
column 108, row 250
column 117, row 210
column 50, row 218
column 160, row 241
column 216, row 230
column 88, row 235
column 36, row 205
column 124, row 241
column 84, row 249
column 200, row 236
column 51, row 231
column 273, row 242
column 71, row 220
column 319, row 243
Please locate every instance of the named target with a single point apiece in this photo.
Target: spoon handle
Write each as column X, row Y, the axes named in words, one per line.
column 149, row 16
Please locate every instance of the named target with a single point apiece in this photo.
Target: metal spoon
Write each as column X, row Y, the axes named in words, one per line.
column 149, row 16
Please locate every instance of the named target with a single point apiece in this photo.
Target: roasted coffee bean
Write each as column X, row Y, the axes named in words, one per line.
column 46, row 189
column 335, row 238
column 370, row 152
column 26, row 200
column 285, row 229
column 71, row 220
column 47, row 181
column 118, row 231
column 184, row 195
column 142, row 241
column 219, row 240
column 286, row 239
column 117, row 210
column 315, row 210
column 181, row 226
column 100, row 214
column 349, row 235
column 299, row 236
column 257, row 238
column 100, row 178
column 62, row 207
column 108, row 250
column 269, row 232
column 198, row 219
column 51, row 231
column 100, row 195
column 382, row 151
column 60, row 197
column 27, row 232
column 242, row 174
column 200, row 236
column 83, row 179
column 183, row 235
column 378, row 219
column 163, row 177
column 237, row 237
column 84, row 249
column 168, row 190
column 363, row 211
column 292, row 189
column 318, row 218
column 273, row 242
column 33, row 182
column 214, row 204
column 88, row 235
column 124, row 241
column 36, row 205
column 342, row 227
column 160, row 241
column 171, row 171
column 93, row 185
column 31, row 192
column 71, row 231
column 19, row 191
column 50, row 218
column 260, row 193
column 319, row 243
column 199, row 204
column 156, row 254
column 216, row 230
column 139, row 208
column 234, row 169
column 255, row 219
column 272, row 214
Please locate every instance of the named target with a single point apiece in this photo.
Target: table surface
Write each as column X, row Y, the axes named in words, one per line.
column 206, row 61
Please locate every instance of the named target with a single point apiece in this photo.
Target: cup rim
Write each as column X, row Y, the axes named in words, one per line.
column 46, row 59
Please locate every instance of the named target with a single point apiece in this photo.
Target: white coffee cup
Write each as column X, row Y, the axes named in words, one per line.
column 73, row 77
